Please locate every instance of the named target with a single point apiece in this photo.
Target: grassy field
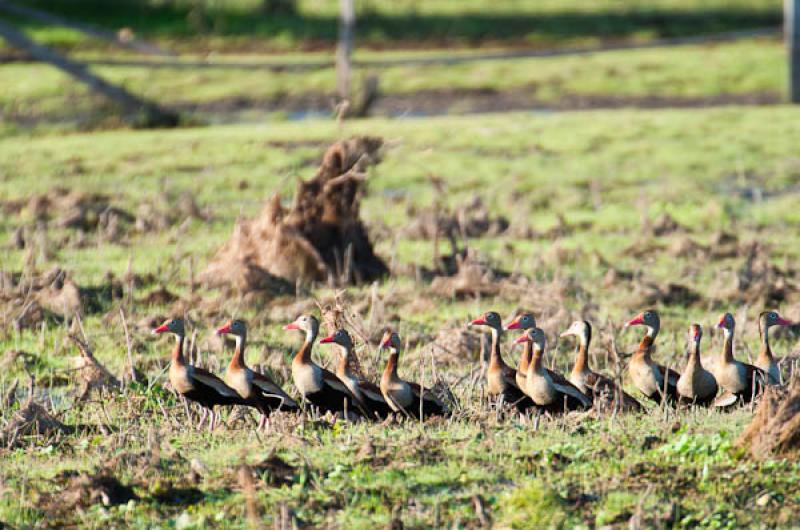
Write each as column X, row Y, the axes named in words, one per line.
column 36, row 96
column 240, row 25
column 611, row 176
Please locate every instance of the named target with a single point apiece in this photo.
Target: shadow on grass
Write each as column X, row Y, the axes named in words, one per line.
column 180, row 20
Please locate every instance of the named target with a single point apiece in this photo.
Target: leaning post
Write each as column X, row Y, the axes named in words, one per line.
column 791, row 24
column 344, row 48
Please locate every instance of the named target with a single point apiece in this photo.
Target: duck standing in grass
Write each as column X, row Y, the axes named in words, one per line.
column 318, row 386
column 193, row 383
column 257, row 389
column 367, row 393
column 603, row 389
column 696, row 385
column 742, row 382
column 765, row 360
column 655, row 381
column 546, row 393
column 501, row 379
column 403, row 396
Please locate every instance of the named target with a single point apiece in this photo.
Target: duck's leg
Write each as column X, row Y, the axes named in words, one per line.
column 203, row 417
column 213, row 422
column 537, row 419
column 262, row 424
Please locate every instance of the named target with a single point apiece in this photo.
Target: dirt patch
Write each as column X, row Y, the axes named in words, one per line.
column 775, row 429
column 472, row 276
column 78, row 210
column 84, row 490
column 275, row 471
column 320, row 237
column 31, row 420
column 27, row 301
column 160, row 296
column 647, row 293
column 664, row 225
column 471, row 220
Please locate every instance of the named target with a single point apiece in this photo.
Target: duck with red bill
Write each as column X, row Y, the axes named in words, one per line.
column 404, row 397
column 501, row 380
column 766, row 360
column 546, row 393
column 319, row 387
column 696, row 385
column 522, row 322
column 368, row 394
column 654, row 380
column 742, row 382
column 193, row 383
column 605, row 393
column 257, row 389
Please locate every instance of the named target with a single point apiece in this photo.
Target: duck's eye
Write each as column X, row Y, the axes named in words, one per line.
column 773, row 316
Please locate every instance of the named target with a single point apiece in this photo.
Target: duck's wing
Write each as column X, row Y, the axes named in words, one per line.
column 272, row 391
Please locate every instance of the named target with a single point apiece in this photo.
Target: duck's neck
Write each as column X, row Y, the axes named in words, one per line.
column 496, row 360
column 537, row 358
column 765, row 352
column 304, row 354
column 582, row 359
column 694, row 356
column 343, row 367
column 727, row 345
column 177, row 352
column 646, row 346
column 525, row 358
column 391, row 365
column 237, row 361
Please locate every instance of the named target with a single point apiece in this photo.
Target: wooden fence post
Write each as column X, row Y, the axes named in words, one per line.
column 791, row 25
column 344, row 49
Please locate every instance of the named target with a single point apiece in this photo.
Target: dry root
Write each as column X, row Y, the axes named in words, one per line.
column 775, row 429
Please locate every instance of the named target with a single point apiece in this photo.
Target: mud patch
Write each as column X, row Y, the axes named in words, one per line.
column 470, row 220
column 82, row 491
column 32, row 420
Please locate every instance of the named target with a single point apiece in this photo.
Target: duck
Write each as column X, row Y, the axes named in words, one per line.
column 598, row 386
column 257, row 389
column 193, row 383
column 696, row 385
column 548, row 394
column 404, row 397
column 367, row 393
column 318, row 386
column 522, row 322
column 742, row 382
column 655, row 381
column 765, row 360
column 501, row 380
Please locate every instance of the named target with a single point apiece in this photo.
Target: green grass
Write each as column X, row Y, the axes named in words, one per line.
column 36, row 94
column 692, row 164
column 382, row 23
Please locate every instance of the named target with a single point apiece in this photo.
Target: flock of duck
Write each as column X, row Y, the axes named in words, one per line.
column 721, row 381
